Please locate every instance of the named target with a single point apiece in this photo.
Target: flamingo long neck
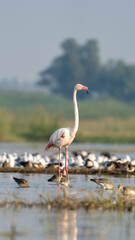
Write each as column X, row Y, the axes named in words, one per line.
column 76, row 122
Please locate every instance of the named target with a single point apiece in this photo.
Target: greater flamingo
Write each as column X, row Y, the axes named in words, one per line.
column 63, row 137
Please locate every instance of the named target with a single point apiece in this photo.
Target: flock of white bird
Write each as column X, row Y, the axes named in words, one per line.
column 80, row 159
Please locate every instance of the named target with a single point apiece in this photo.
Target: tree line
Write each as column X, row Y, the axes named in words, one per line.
column 82, row 63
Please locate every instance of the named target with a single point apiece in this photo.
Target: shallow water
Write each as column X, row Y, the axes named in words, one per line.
column 95, row 147
column 68, row 224
column 81, row 186
column 37, row 223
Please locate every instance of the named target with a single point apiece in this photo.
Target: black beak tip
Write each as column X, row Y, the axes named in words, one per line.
column 87, row 91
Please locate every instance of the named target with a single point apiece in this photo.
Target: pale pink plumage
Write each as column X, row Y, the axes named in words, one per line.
column 63, row 137
column 60, row 138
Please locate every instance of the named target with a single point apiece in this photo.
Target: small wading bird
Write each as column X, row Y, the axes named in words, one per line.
column 104, row 183
column 55, row 178
column 127, row 190
column 21, row 182
column 63, row 179
column 63, row 137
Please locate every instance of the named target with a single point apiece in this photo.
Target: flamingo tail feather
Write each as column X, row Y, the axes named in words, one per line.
column 48, row 147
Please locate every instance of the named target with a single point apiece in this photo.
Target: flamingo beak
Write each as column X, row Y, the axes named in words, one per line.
column 85, row 89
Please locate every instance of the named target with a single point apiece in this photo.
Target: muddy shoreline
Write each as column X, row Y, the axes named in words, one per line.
column 112, row 203
column 82, row 170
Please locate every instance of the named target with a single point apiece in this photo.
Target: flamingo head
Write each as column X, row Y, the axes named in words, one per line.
column 81, row 87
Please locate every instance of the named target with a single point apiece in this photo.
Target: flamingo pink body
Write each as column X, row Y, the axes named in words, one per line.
column 63, row 137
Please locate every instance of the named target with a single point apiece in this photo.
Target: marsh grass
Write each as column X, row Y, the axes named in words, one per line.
column 113, row 202
column 34, row 117
column 113, row 130
column 39, row 128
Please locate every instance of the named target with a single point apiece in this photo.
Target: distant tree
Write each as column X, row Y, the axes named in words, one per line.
column 118, row 80
column 82, row 64
column 77, row 64
column 71, row 68
column 91, row 62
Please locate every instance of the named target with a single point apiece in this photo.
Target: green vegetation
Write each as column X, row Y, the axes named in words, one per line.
column 35, row 116
column 26, row 103
column 93, row 201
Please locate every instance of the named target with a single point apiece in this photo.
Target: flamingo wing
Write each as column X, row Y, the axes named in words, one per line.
column 59, row 138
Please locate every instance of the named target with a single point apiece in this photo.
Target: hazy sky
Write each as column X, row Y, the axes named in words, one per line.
column 31, row 31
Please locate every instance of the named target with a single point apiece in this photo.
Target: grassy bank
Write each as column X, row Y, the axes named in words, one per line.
column 93, row 201
column 56, row 106
column 15, row 127
column 34, row 117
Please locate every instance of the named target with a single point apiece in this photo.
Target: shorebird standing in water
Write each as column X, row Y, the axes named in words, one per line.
column 104, row 183
column 21, row 182
column 55, row 178
column 65, row 181
column 128, row 190
column 62, row 179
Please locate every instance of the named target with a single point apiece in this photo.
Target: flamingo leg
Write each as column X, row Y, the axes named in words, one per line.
column 59, row 165
column 66, row 163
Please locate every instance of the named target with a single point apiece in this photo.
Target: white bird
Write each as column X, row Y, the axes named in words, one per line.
column 4, row 157
column 11, row 160
column 133, row 162
column 84, row 154
column 79, row 161
column 63, row 137
column 91, row 156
